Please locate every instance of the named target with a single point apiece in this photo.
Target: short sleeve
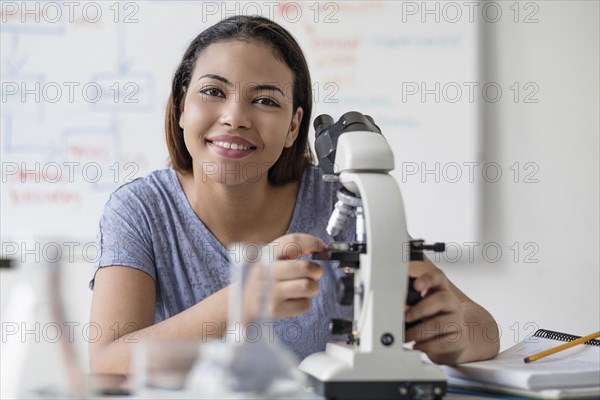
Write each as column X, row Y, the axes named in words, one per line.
column 124, row 236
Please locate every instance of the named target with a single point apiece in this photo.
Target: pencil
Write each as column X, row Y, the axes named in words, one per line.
column 562, row 347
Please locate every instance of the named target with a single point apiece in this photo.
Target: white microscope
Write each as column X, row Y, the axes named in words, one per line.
column 373, row 364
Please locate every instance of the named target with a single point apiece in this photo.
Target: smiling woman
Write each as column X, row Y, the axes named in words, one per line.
column 239, row 116
column 241, row 173
column 285, row 61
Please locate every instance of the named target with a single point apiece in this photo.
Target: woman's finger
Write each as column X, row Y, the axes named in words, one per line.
column 431, row 281
column 296, row 269
column 441, row 326
column 442, row 350
column 295, row 245
column 292, row 307
column 296, row 289
column 434, row 303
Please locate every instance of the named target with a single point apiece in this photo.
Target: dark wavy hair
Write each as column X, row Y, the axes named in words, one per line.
column 293, row 160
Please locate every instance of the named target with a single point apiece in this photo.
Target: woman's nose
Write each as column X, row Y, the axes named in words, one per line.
column 235, row 114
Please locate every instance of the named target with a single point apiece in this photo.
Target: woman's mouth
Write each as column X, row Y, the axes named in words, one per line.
column 229, row 149
column 233, row 146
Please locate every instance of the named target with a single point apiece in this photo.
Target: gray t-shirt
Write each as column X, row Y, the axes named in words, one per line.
column 148, row 224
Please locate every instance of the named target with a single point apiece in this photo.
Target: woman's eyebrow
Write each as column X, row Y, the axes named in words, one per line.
column 258, row 88
column 218, row 78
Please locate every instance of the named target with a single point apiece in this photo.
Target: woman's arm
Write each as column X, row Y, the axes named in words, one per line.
column 124, row 304
column 453, row 329
column 123, row 307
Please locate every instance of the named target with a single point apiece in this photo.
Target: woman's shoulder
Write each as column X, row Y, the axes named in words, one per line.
column 156, row 180
column 148, row 191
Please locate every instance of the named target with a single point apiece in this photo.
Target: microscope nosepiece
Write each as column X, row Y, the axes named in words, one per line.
column 344, row 208
column 339, row 218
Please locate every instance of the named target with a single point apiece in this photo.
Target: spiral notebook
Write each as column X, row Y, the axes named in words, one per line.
column 574, row 372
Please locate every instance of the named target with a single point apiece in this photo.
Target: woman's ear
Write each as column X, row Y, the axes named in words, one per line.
column 182, row 107
column 294, row 128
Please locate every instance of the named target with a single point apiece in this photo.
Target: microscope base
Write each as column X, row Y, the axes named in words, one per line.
column 342, row 373
column 357, row 390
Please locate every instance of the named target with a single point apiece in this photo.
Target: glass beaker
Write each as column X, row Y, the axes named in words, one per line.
column 248, row 361
column 38, row 358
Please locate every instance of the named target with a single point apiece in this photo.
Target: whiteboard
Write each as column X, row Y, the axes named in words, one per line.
column 84, row 89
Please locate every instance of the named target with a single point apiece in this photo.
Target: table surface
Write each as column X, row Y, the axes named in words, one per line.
column 116, row 387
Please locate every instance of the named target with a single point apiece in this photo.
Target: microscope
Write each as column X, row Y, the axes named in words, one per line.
column 373, row 363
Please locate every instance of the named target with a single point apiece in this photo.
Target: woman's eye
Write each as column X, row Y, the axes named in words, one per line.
column 266, row 101
column 211, row 91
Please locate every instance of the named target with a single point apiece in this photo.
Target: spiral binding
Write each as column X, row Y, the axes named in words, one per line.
column 563, row 337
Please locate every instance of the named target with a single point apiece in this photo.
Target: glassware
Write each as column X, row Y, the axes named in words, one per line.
column 161, row 367
column 38, row 358
column 248, row 362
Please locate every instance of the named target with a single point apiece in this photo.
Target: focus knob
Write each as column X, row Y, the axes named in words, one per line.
column 340, row 326
column 412, row 297
column 345, row 290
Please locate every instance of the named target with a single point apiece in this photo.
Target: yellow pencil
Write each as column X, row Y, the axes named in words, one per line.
column 562, row 347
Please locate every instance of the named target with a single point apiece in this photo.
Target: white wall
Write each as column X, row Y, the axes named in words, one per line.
column 559, row 214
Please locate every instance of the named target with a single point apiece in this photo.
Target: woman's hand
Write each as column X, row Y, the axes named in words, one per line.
column 440, row 331
column 294, row 281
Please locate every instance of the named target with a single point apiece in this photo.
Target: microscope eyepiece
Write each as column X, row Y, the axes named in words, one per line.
column 321, row 123
column 327, row 133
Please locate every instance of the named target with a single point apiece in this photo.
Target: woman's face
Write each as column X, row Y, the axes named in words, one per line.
column 238, row 113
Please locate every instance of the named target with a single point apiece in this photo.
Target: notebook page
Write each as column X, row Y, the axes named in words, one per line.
column 580, row 357
column 577, row 366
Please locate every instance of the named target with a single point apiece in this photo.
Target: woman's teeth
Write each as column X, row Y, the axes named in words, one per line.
column 232, row 146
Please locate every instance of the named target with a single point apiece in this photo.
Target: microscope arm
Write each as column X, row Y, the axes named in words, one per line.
column 376, row 365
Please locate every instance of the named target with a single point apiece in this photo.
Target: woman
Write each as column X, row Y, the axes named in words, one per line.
column 237, row 125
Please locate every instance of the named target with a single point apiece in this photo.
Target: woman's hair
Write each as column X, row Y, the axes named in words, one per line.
column 293, row 160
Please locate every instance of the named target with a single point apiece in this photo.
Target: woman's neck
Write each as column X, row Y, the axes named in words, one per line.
column 247, row 212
